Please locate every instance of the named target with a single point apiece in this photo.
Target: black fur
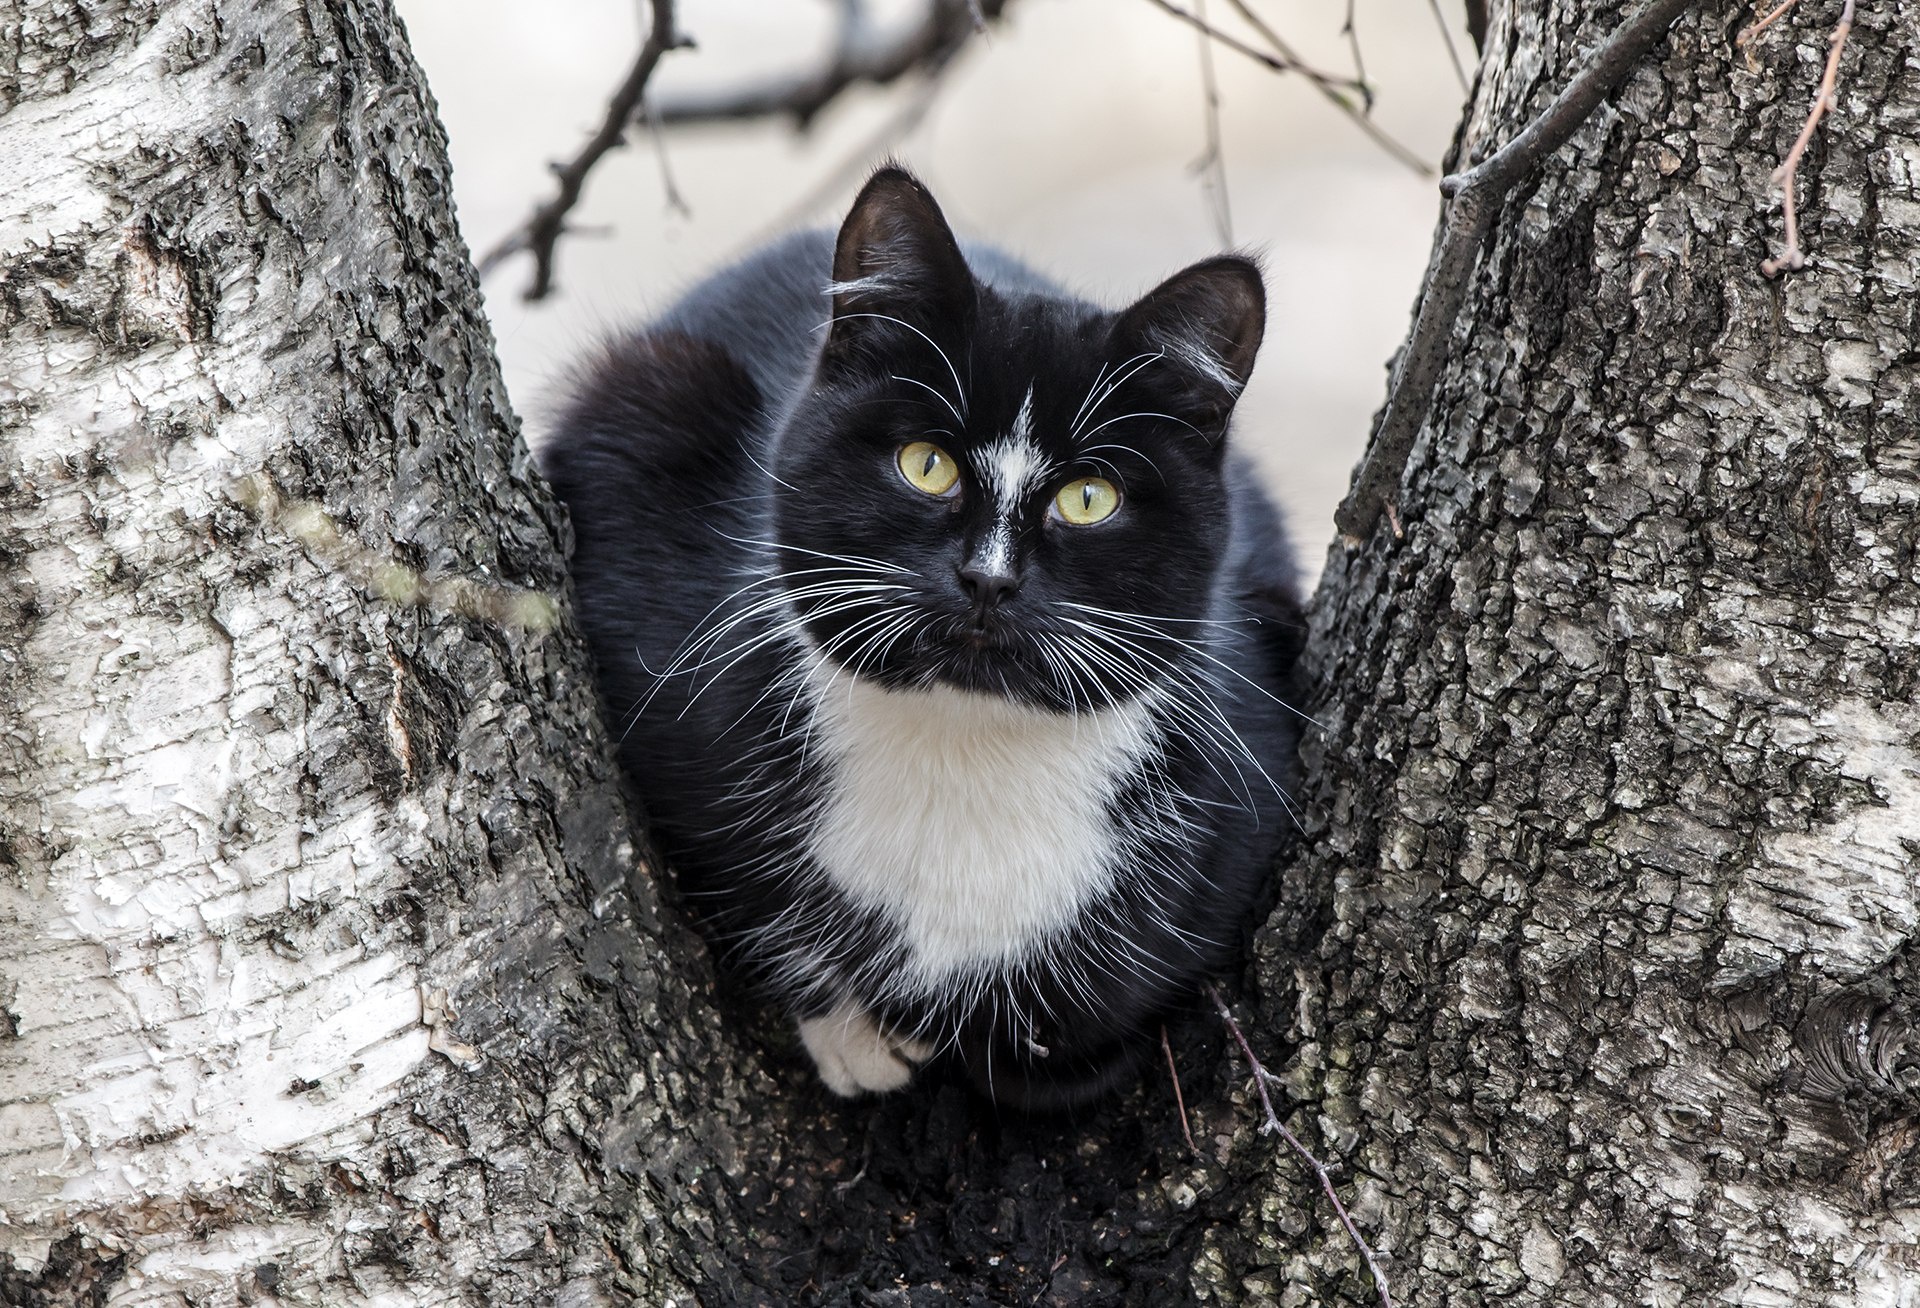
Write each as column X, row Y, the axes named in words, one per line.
column 741, row 432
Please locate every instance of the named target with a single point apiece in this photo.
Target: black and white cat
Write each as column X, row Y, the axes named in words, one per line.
column 945, row 640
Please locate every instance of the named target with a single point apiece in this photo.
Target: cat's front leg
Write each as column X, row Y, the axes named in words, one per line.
column 854, row 1055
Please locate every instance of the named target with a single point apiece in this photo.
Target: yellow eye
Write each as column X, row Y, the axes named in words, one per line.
column 1087, row 501
column 929, row 468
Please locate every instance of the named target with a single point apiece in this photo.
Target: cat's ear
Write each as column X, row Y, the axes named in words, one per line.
column 896, row 259
column 1205, row 322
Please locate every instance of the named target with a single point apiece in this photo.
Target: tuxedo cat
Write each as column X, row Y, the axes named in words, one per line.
column 945, row 640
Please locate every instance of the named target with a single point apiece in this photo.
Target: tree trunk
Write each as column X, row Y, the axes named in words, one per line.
column 319, row 972
column 329, row 971
column 1602, row 967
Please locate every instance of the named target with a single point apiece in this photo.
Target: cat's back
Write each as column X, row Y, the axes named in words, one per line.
column 765, row 312
column 660, row 457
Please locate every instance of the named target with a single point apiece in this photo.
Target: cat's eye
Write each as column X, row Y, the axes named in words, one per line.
column 1086, row 501
column 928, row 468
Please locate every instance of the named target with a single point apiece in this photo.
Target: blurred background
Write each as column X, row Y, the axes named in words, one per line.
column 1071, row 133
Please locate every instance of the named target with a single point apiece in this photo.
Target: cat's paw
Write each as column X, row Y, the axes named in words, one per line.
column 854, row 1055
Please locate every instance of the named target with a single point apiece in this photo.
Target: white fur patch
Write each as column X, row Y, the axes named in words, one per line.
column 854, row 1055
column 1009, row 468
column 976, row 825
column 1193, row 351
column 1013, row 465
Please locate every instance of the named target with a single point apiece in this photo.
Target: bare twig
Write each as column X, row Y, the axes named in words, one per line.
column 675, row 200
column 1446, row 34
column 1273, row 1125
column 862, row 55
column 1761, row 24
column 1212, row 165
column 1351, row 31
column 1475, row 197
column 866, row 1160
column 1787, row 175
column 1335, row 90
column 1179, row 1099
column 860, row 160
column 541, row 233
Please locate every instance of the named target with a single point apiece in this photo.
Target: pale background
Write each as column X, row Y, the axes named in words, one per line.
column 1066, row 135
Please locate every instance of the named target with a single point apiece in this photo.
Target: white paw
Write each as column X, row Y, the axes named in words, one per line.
column 914, row 1050
column 854, row 1055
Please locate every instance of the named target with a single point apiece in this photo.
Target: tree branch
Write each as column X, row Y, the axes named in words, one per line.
column 1283, row 60
column 541, row 233
column 860, row 57
column 1273, row 1125
column 1476, row 196
column 1787, row 175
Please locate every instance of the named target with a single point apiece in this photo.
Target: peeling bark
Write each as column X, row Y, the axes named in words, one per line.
column 330, row 971
column 321, row 973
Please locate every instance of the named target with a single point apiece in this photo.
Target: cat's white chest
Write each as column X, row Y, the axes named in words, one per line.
column 980, row 827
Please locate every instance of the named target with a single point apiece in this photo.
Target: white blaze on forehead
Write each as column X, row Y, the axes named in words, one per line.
column 1009, row 468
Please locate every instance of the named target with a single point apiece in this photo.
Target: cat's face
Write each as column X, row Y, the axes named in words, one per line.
column 1013, row 494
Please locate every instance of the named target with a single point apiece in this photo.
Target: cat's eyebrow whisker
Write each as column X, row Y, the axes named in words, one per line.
column 1141, row 455
column 931, row 391
column 1081, row 412
column 960, row 391
column 1120, row 374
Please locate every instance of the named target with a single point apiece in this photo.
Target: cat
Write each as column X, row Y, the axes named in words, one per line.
column 945, row 639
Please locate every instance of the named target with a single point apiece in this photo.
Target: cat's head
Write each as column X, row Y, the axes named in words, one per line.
column 1008, row 490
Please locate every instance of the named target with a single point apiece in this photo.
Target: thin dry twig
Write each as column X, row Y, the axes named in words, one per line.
column 1475, row 197
column 1787, row 175
column 1334, row 90
column 1212, row 165
column 1179, row 1099
column 863, row 55
column 541, row 233
column 1760, row 25
column 1352, row 32
column 675, row 201
column 1273, row 1125
column 1446, row 34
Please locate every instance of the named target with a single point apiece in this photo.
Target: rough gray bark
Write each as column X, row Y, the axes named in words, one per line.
column 1608, row 981
column 329, row 972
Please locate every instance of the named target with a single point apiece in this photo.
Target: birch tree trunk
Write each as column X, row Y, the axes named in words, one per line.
column 329, row 971
column 320, row 981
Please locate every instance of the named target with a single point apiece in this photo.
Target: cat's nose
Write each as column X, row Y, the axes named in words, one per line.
column 987, row 588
